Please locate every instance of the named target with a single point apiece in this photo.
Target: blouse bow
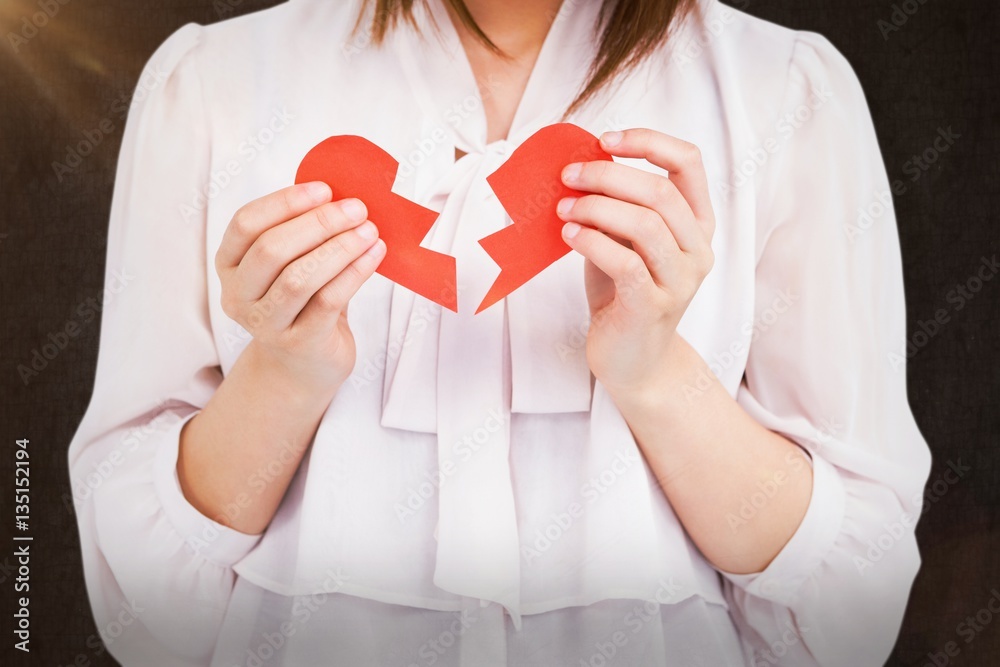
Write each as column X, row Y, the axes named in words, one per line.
column 446, row 372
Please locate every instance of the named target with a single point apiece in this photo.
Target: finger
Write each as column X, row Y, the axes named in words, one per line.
column 333, row 298
column 253, row 219
column 652, row 191
column 640, row 226
column 303, row 278
column 625, row 267
column 280, row 245
column 680, row 158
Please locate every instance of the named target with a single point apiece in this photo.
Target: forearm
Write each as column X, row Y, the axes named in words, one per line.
column 239, row 454
column 712, row 459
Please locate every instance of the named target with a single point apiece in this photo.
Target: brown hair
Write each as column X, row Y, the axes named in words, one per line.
column 629, row 31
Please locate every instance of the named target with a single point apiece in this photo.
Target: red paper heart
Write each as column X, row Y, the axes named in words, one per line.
column 529, row 185
column 355, row 167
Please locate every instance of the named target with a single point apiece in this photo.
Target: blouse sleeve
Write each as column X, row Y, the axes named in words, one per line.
column 826, row 369
column 158, row 573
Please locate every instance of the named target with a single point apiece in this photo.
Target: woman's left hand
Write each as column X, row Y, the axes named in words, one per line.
column 647, row 241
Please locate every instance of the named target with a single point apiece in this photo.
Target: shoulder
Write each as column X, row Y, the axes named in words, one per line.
column 768, row 66
column 283, row 35
column 791, row 108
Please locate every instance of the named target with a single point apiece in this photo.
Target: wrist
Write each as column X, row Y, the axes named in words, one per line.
column 664, row 383
column 294, row 386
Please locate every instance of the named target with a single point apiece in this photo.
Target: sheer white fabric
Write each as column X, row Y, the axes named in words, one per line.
column 374, row 556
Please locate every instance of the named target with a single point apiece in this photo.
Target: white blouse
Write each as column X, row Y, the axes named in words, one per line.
column 472, row 497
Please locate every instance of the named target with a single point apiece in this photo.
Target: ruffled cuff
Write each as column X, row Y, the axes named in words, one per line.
column 207, row 538
column 804, row 553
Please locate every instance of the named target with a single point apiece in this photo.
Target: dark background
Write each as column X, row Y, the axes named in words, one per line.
column 939, row 70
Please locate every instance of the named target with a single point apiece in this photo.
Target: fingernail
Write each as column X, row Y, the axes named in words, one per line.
column 368, row 231
column 612, row 138
column 319, row 191
column 354, row 209
column 566, row 205
column 571, row 174
column 570, row 230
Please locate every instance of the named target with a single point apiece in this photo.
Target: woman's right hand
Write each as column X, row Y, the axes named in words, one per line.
column 289, row 264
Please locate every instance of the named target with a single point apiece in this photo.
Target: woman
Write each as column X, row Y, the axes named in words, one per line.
column 683, row 443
